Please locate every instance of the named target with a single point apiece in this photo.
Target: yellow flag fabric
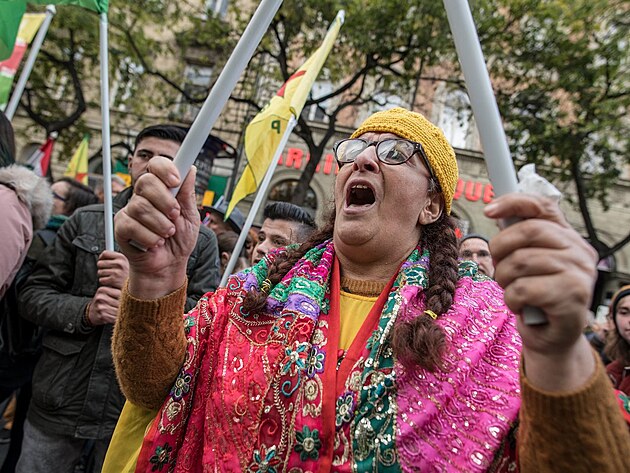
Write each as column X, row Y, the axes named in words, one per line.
column 265, row 131
column 78, row 166
column 124, row 448
column 29, row 25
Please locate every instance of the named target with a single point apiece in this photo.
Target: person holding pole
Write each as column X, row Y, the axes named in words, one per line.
column 368, row 348
column 75, row 294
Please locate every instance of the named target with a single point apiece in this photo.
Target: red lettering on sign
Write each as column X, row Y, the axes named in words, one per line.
column 328, row 164
column 294, row 158
column 488, row 194
column 459, row 189
column 470, row 195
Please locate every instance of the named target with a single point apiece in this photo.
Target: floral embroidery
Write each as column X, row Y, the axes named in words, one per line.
column 345, row 409
column 311, row 390
column 295, row 359
column 382, row 401
column 161, row 457
column 308, row 443
column 315, row 362
column 189, row 322
column 181, row 386
column 625, row 400
column 265, row 460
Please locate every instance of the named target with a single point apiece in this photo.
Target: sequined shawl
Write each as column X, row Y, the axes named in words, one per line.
column 252, row 394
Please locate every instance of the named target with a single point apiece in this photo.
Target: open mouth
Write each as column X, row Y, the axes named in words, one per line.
column 360, row 195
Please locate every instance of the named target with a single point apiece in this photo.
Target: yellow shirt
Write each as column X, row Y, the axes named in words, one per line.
column 353, row 310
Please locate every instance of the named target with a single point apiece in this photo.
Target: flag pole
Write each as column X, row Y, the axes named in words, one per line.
column 262, row 193
column 224, row 86
column 107, row 152
column 486, row 111
column 30, row 61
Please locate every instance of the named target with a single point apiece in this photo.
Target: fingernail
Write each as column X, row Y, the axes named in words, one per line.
column 170, row 232
column 491, row 207
column 172, row 180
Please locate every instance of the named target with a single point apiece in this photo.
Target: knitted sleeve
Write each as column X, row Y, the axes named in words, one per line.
column 581, row 431
column 148, row 346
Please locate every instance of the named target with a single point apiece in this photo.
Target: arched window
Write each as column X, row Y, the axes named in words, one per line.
column 283, row 192
column 453, row 115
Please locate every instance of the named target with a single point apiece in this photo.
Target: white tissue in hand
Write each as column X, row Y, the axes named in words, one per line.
column 531, row 183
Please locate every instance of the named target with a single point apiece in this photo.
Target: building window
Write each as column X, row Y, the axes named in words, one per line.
column 380, row 102
column 283, row 192
column 454, row 116
column 218, row 7
column 125, row 84
column 196, row 85
column 317, row 112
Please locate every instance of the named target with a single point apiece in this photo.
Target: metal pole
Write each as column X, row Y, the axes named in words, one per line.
column 262, row 192
column 30, row 61
column 222, row 89
column 107, row 151
column 484, row 106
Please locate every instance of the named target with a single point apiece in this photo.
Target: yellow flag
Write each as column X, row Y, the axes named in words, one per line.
column 265, row 131
column 29, row 26
column 78, row 166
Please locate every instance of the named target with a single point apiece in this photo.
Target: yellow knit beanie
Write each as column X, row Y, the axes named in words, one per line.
column 415, row 127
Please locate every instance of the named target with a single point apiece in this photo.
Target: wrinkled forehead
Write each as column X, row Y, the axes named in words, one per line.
column 474, row 243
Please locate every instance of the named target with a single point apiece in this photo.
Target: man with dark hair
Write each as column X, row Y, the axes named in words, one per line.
column 284, row 225
column 474, row 247
column 75, row 294
column 216, row 218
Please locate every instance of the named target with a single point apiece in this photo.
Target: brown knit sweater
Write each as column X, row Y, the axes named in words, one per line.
column 581, row 431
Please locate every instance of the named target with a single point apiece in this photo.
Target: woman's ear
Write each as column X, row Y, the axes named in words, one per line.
column 432, row 210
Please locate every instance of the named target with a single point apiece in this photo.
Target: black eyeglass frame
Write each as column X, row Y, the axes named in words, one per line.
column 57, row 196
column 417, row 148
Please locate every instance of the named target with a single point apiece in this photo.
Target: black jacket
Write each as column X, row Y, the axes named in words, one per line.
column 75, row 391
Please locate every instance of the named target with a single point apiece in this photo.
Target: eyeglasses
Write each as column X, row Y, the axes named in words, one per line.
column 391, row 151
column 57, row 196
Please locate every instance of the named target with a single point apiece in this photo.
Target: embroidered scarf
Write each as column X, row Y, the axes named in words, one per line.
column 251, row 394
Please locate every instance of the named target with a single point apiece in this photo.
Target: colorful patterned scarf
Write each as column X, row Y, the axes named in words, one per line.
column 255, row 392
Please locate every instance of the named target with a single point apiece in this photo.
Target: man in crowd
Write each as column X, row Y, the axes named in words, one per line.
column 216, row 219
column 474, row 247
column 75, row 294
column 284, row 225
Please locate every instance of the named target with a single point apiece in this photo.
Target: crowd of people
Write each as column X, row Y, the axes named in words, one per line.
column 375, row 341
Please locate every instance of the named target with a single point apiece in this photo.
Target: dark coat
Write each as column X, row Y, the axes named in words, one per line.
column 75, row 391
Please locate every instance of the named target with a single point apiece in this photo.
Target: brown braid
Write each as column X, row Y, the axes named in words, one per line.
column 420, row 341
column 255, row 299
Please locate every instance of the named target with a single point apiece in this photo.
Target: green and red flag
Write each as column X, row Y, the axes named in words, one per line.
column 11, row 12
column 39, row 161
column 28, row 27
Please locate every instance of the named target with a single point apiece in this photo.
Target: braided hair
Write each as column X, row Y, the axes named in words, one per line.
column 255, row 299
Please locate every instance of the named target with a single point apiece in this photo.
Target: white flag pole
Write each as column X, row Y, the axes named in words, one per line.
column 484, row 106
column 30, row 61
column 220, row 93
column 260, row 196
column 107, row 152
